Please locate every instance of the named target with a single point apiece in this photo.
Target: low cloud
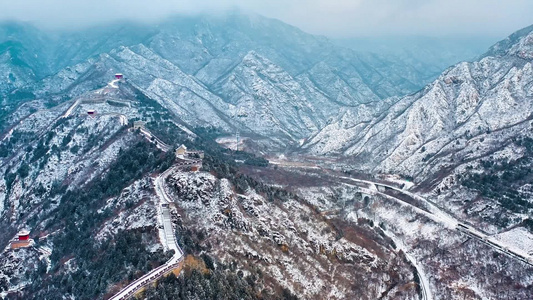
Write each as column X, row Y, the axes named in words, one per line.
column 337, row 18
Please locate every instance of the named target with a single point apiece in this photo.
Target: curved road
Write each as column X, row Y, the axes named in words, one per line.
column 439, row 215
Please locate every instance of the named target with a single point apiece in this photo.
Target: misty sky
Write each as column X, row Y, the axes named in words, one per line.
column 334, row 18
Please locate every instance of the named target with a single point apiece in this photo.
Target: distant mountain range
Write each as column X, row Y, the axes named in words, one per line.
column 236, row 72
column 441, row 125
column 266, row 79
column 429, row 56
column 466, row 138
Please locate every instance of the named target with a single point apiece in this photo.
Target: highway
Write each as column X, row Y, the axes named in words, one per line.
column 423, row 278
column 435, row 213
column 495, row 244
column 432, row 211
column 439, row 215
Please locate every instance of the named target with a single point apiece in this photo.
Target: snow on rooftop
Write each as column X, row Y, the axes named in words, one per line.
column 24, row 232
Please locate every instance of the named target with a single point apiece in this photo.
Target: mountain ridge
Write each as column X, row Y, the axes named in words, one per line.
column 457, row 139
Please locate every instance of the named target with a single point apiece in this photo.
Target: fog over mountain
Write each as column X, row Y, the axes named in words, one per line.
column 439, row 52
column 337, row 18
column 233, row 60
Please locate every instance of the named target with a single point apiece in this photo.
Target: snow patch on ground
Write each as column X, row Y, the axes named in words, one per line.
column 518, row 239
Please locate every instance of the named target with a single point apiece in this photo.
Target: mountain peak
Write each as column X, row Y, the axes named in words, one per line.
column 253, row 55
column 520, row 43
column 468, row 101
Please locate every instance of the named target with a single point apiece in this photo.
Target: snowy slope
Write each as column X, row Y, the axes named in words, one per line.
column 234, row 71
column 267, row 97
column 466, row 113
column 292, row 245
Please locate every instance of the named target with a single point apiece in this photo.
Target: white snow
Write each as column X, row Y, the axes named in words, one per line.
column 517, row 239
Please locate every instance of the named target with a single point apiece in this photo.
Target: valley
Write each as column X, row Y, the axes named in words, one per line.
column 393, row 216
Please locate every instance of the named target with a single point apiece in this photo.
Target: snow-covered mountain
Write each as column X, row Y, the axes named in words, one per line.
column 427, row 57
column 234, row 71
column 83, row 184
column 19, row 62
column 465, row 139
column 468, row 112
column 98, row 195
